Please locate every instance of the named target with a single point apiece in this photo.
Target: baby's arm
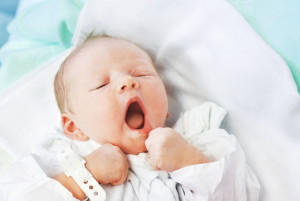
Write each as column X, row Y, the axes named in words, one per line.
column 169, row 151
column 228, row 176
column 108, row 164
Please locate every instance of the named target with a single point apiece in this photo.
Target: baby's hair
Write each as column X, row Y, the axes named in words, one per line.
column 60, row 88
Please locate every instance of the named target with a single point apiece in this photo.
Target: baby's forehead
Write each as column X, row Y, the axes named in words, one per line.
column 104, row 45
column 109, row 44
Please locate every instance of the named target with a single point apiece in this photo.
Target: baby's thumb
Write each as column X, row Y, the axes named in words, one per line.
column 122, row 178
column 151, row 138
column 148, row 144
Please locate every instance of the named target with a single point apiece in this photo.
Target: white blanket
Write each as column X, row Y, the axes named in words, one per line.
column 205, row 51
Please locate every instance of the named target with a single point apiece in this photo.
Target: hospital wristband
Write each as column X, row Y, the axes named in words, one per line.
column 74, row 166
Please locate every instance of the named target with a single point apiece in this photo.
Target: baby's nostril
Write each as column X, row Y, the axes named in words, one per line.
column 123, row 87
column 133, row 85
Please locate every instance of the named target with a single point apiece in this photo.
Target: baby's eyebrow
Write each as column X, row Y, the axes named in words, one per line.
column 133, row 70
column 141, row 66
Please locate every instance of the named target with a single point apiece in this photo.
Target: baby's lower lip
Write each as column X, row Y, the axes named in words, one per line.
column 147, row 126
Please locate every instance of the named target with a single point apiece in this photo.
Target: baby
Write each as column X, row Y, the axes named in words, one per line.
column 108, row 90
column 113, row 108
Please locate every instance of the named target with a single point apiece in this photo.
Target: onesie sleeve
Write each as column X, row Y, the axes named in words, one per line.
column 30, row 178
column 199, row 119
column 27, row 181
column 228, row 176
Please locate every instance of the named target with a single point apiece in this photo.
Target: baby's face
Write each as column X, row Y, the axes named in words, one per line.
column 116, row 94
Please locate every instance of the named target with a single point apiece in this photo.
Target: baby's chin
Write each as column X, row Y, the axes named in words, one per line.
column 135, row 150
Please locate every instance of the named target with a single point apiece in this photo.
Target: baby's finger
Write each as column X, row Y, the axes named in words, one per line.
column 152, row 138
column 121, row 179
column 153, row 163
column 156, row 131
column 148, row 143
column 116, row 183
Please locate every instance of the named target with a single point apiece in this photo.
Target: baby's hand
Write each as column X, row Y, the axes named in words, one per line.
column 108, row 164
column 169, row 151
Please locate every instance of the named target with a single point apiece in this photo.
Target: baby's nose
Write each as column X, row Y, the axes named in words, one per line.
column 128, row 83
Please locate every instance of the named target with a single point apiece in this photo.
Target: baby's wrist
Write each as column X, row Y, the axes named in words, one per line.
column 90, row 167
column 70, row 184
column 193, row 156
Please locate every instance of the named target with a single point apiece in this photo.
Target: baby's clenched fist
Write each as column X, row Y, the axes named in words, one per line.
column 169, row 151
column 108, row 164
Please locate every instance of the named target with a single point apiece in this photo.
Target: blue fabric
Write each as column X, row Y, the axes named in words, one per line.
column 7, row 13
column 278, row 23
column 9, row 6
column 4, row 20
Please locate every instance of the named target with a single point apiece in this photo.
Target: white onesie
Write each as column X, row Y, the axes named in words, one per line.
column 226, row 178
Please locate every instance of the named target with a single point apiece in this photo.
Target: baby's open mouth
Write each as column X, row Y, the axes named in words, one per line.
column 135, row 116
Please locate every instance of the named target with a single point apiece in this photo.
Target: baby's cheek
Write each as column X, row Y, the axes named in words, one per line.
column 158, row 108
column 158, row 117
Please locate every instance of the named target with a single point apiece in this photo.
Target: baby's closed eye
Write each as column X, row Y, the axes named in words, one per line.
column 102, row 85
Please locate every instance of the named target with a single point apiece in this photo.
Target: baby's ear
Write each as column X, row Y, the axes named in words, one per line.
column 70, row 129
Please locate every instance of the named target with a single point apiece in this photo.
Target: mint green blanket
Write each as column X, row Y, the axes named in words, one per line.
column 39, row 32
column 45, row 29
column 277, row 22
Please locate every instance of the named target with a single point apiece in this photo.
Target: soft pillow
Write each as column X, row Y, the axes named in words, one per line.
column 29, row 110
column 207, row 51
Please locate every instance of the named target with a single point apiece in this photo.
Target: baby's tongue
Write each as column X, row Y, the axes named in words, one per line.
column 135, row 119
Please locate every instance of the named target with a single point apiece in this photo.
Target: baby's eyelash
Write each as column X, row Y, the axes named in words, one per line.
column 140, row 75
column 103, row 85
